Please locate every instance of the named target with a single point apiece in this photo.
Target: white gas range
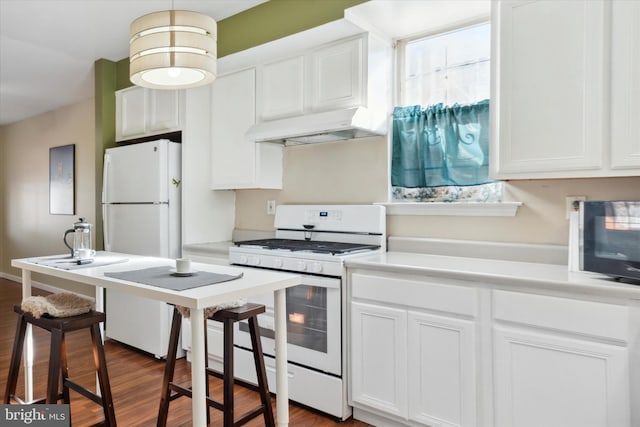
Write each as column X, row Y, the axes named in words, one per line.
column 314, row 240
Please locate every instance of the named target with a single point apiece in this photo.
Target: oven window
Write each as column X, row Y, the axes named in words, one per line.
column 306, row 318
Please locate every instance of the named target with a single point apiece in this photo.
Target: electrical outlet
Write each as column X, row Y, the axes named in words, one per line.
column 271, row 207
column 572, row 203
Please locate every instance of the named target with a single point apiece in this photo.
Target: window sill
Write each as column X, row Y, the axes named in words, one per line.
column 453, row 208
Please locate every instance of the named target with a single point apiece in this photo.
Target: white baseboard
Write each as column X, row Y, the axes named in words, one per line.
column 34, row 283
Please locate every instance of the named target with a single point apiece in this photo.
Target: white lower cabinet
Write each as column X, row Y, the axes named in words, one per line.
column 543, row 379
column 427, row 351
column 442, row 373
column 413, row 351
column 378, row 357
column 560, row 361
column 215, row 342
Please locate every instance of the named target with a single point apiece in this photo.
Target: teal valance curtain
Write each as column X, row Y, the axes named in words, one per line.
column 440, row 146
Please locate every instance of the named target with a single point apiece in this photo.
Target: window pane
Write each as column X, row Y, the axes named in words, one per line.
column 424, row 56
column 468, row 84
column 467, row 46
column 448, row 68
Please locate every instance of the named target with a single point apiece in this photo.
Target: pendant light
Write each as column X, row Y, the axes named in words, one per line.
column 172, row 49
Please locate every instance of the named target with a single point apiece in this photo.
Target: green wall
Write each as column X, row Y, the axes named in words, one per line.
column 276, row 19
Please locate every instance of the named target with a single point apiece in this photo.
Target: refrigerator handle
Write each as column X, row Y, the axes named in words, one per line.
column 105, row 177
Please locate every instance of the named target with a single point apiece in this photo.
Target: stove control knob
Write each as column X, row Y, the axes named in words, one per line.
column 254, row 260
column 316, row 267
column 302, row 266
column 243, row 259
column 277, row 263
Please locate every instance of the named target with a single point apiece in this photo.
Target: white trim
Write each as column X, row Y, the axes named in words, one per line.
column 35, row 284
column 453, row 208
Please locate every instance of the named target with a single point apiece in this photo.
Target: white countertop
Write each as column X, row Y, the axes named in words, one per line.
column 253, row 281
column 497, row 272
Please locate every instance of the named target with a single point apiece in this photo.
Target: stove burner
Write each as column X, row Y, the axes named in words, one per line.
column 333, row 248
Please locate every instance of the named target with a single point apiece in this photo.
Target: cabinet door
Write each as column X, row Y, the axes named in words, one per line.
column 215, row 341
column 378, row 357
column 337, row 76
column 233, row 112
column 548, row 88
column 442, row 367
column 544, row 379
column 237, row 162
column 625, row 85
column 131, row 111
column 281, row 89
column 164, row 111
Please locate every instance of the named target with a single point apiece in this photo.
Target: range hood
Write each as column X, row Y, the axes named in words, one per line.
column 326, row 126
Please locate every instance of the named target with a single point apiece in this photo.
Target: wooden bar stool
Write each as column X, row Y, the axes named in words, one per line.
column 228, row 317
column 58, row 327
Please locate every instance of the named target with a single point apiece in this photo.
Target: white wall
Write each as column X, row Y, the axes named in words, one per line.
column 26, row 227
column 356, row 172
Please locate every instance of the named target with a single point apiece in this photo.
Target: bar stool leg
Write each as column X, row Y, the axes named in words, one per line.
column 16, row 356
column 100, row 362
column 169, row 368
column 261, row 372
column 229, row 379
column 64, row 370
column 54, row 366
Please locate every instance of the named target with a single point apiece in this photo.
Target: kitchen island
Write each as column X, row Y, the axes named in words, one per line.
column 453, row 340
column 252, row 282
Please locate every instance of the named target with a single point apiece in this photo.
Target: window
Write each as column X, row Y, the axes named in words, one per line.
column 440, row 147
column 450, row 68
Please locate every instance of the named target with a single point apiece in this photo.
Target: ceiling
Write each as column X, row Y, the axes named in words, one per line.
column 48, row 47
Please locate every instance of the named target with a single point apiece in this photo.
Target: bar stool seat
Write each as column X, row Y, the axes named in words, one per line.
column 228, row 317
column 58, row 327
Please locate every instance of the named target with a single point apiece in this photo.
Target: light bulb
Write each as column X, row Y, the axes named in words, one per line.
column 174, row 72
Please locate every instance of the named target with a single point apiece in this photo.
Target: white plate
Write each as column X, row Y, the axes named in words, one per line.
column 182, row 274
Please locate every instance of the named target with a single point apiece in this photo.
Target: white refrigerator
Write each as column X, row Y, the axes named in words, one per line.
column 141, row 216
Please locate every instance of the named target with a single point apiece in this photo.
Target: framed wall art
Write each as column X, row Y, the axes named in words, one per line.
column 62, row 180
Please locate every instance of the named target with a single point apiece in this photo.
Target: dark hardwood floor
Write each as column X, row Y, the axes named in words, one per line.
column 135, row 378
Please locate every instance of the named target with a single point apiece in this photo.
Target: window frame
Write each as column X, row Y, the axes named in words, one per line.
column 393, row 207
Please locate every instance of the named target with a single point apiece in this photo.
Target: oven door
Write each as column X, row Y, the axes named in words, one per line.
column 313, row 325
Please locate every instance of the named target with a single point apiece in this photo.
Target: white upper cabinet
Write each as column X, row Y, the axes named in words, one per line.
column 625, row 85
column 351, row 72
column 164, row 111
column 548, row 88
column 551, row 110
column 143, row 112
column 237, row 162
column 337, row 76
column 131, row 113
column 281, row 89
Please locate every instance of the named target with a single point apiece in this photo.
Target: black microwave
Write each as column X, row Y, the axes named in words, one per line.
column 610, row 238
